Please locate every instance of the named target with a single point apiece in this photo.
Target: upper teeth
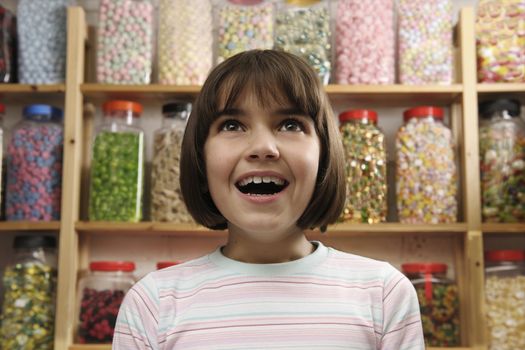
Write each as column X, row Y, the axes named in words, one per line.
column 259, row 179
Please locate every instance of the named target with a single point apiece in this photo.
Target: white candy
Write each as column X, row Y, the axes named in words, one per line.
column 42, row 41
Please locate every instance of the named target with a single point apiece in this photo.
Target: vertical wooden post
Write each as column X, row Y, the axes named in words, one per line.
column 68, row 247
column 470, row 167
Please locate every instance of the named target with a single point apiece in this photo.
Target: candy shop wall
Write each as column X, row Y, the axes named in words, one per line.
column 146, row 252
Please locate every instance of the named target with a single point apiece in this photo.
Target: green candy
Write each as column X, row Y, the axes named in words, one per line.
column 117, row 173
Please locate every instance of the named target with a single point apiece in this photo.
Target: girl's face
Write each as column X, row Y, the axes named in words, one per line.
column 261, row 166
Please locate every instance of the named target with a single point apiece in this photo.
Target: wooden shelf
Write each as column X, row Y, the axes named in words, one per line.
column 29, row 225
column 335, row 231
column 496, row 228
column 142, row 92
column 12, row 89
column 500, row 87
column 384, row 94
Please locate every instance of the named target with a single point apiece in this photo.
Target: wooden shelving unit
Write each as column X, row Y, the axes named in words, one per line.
column 29, row 225
column 461, row 98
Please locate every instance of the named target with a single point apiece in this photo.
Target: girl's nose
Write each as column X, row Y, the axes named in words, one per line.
column 263, row 146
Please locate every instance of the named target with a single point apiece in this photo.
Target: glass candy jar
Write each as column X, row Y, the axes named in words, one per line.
column 29, row 282
column 505, row 298
column 302, row 27
column 34, row 165
column 500, row 42
column 365, row 44
column 42, row 41
column 242, row 25
column 185, row 45
column 365, row 163
column 502, row 161
column 425, row 168
column 125, row 42
column 438, row 302
column 167, row 204
column 117, row 165
column 425, row 41
column 101, row 293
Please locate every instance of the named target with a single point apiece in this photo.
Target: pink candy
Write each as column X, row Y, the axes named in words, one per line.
column 365, row 42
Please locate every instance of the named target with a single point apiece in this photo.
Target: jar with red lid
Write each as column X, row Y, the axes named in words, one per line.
column 117, row 165
column 505, row 298
column 365, row 166
column 426, row 172
column 438, row 301
column 165, row 264
column 100, row 295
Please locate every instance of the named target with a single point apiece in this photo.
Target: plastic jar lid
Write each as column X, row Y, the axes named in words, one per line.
column 120, row 105
column 487, row 108
column 245, row 2
column 423, row 112
column 424, row 268
column 2, row 108
column 52, row 113
column 31, row 242
column 302, row 2
column 126, row 266
column 505, row 255
column 176, row 107
column 358, row 114
column 164, row 264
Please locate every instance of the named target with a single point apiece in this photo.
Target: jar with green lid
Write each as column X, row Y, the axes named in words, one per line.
column 365, row 164
column 502, row 161
column 426, row 171
column 302, row 27
column 117, row 165
column 438, row 301
column 505, row 298
column 100, row 294
column 29, row 281
column 167, row 204
column 242, row 25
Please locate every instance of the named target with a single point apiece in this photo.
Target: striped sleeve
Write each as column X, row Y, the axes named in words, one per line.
column 138, row 318
column 402, row 328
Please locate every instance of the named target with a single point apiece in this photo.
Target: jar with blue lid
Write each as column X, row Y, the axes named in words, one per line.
column 42, row 39
column 34, row 165
column 242, row 25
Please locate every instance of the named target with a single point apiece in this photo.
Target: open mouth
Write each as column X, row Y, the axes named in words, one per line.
column 261, row 185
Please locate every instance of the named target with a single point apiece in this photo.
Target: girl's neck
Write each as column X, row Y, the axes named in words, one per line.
column 243, row 248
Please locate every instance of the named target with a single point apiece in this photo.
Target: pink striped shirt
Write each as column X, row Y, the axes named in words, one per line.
column 326, row 300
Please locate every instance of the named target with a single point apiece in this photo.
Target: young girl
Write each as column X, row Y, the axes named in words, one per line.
column 262, row 158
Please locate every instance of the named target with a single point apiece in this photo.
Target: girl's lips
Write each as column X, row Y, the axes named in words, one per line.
column 262, row 199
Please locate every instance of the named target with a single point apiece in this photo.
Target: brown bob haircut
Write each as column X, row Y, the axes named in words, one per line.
column 271, row 76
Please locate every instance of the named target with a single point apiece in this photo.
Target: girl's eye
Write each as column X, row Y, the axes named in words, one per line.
column 231, row 125
column 292, row 125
